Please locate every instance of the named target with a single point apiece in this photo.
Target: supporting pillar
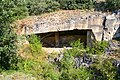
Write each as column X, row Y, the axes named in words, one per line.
column 89, row 40
column 56, row 39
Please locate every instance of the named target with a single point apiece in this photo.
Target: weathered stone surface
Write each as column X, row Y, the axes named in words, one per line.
column 112, row 27
column 102, row 25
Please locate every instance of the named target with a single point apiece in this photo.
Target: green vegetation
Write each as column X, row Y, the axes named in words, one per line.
column 112, row 4
column 76, row 4
column 36, row 64
column 9, row 11
column 97, row 47
column 35, row 45
column 36, row 7
column 104, row 69
column 39, row 67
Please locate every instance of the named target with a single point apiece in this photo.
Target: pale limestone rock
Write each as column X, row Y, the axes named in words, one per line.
column 75, row 19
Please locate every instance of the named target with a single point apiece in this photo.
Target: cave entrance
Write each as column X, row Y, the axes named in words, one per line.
column 63, row 38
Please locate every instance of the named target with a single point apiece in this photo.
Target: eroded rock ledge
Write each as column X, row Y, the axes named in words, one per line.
column 103, row 25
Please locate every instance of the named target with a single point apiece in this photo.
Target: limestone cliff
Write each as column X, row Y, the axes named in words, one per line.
column 103, row 25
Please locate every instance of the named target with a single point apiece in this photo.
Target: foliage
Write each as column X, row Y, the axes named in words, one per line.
column 36, row 7
column 35, row 45
column 9, row 10
column 76, row 4
column 76, row 74
column 77, row 48
column 69, row 72
column 40, row 69
column 13, row 75
column 98, row 47
column 8, row 56
column 67, row 64
column 112, row 4
column 37, row 65
column 50, row 72
column 103, row 69
column 52, row 6
column 77, row 44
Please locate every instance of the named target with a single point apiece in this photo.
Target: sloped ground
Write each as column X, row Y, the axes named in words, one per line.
column 17, row 76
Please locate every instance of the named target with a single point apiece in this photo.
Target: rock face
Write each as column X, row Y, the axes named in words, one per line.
column 112, row 27
column 103, row 26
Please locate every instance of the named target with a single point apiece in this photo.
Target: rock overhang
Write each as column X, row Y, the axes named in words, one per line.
column 67, row 20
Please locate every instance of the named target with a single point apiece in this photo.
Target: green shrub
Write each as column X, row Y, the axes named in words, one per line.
column 67, row 64
column 112, row 5
column 69, row 72
column 78, row 48
column 35, row 45
column 37, row 65
column 76, row 74
column 42, row 70
column 98, row 47
column 14, row 75
column 52, row 6
column 50, row 72
column 10, row 10
column 36, row 7
column 104, row 69
column 76, row 4
column 68, row 4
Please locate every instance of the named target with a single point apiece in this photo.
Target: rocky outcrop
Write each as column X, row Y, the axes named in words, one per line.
column 112, row 26
column 103, row 26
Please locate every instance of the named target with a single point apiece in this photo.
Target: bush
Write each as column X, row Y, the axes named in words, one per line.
column 78, row 48
column 8, row 75
column 98, row 47
column 76, row 4
column 52, row 6
column 112, row 5
column 103, row 69
column 40, row 69
column 70, row 72
column 35, row 45
column 76, row 74
column 10, row 11
column 68, row 4
column 36, row 7
column 67, row 64
column 8, row 49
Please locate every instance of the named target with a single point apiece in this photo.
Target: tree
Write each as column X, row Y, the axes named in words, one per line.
column 10, row 10
column 112, row 4
column 76, row 4
column 37, row 7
